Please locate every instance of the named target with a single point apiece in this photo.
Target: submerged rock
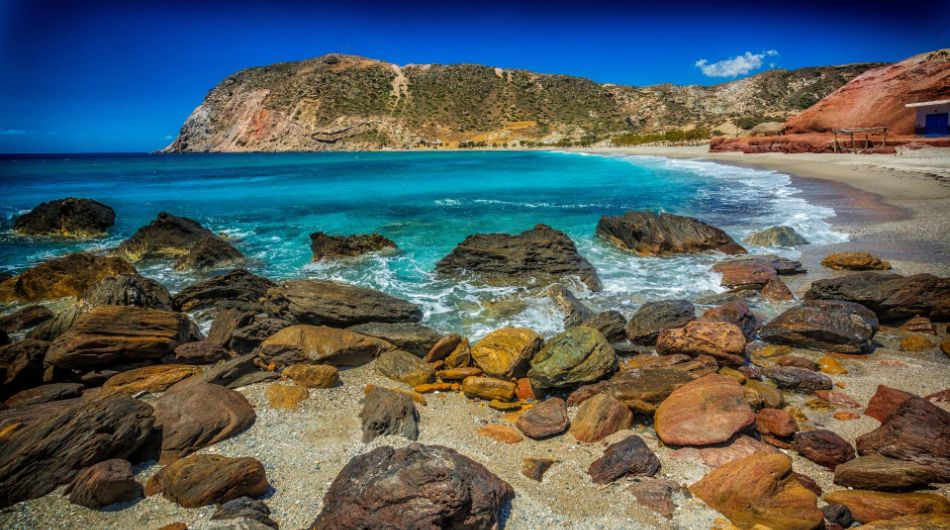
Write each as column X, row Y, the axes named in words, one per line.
column 69, row 217
column 577, row 356
column 651, row 234
column 67, row 276
column 653, row 317
column 824, row 325
column 776, row 236
column 172, row 237
column 325, row 246
column 321, row 302
column 798, row 379
column 855, row 261
column 891, row 296
column 823, row 447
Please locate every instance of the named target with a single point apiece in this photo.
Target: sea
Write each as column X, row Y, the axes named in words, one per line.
column 427, row 202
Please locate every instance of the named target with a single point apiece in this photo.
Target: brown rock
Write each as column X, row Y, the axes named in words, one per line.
column 917, row 431
column 797, row 361
column 760, row 490
column 915, row 343
column 776, row 422
column 656, row 495
column 628, row 457
column 876, row 472
column 833, row 325
column 535, row 468
column 21, row 366
column 546, row 419
column 855, row 261
column 776, row 291
column 524, row 390
column 428, row 388
column 830, row 365
column 651, row 234
column 798, row 379
column 706, row 411
column 128, row 290
column 325, row 246
column 640, row 389
column 722, row 340
column 237, row 286
column 402, row 366
column 919, row 324
column 823, row 447
column 741, row 447
column 501, row 433
column 313, row 375
column 868, row 506
column 321, row 344
column 389, row 413
column 488, row 388
column 200, row 352
column 927, row 521
column 505, row 352
column 153, row 379
column 611, row 324
column 287, row 397
column 885, row 401
column 837, row 398
column 745, row 273
column 599, row 417
column 62, row 277
column 891, row 296
column 410, row 336
column 200, row 480
column 68, row 218
column 458, row 374
column 442, row 348
column 653, row 317
column 770, row 395
column 735, row 312
column 326, row 303
column 104, row 483
column 25, row 318
column 460, row 357
column 945, row 347
column 44, row 394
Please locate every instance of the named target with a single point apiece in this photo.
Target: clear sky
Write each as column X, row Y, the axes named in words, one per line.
column 122, row 76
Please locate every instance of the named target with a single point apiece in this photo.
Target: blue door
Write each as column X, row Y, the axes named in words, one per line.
column 935, row 125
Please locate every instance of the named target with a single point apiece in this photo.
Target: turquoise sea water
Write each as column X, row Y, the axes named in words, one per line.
column 426, row 202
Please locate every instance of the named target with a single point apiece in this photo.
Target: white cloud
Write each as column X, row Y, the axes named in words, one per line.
column 738, row 65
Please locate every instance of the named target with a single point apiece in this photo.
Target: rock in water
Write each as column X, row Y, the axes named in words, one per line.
column 721, row 340
column 653, row 317
column 876, row 472
column 823, row 447
column 505, row 352
column 410, row 336
column 200, row 480
column 917, row 431
column 70, row 275
column 891, row 296
column 321, row 344
column 402, row 366
column 237, row 285
column 760, row 490
column 209, row 253
column 172, row 237
column 855, row 261
column 577, row 356
column 105, row 483
column 37, row 458
column 70, row 217
column 824, row 325
column 540, row 254
column 389, row 413
column 656, row 494
column 651, row 234
column 546, row 419
column 416, row 486
column 320, row 302
column 867, row 506
column 746, row 273
column 325, row 246
column 776, row 236
column 130, row 290
column 25, row 318
column 599, row 417
column 627, row 457
column 575, row 312
column 706, row 411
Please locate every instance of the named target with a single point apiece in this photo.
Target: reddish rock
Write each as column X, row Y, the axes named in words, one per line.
column 797, row 361
column 833, row 325
column 546, row 419
column 823, row 447
column 885, row 401
column 776, row 422
column 653, row 317
column 442, row 348
column 917, row 431
column 776, row 291
column 798, row 379
column 736, row 312
column 745, row 273
column 855, row 261
column 741, row 447
column 501, row 433
column 721, row 340
column 105, row 483
column 599, row 417
column 919, row 324
column 656, row 495
column 200, row 480
column 628, row 457
column 706, row 411
column 868, row 506
column 837, row 398
column 524, row 390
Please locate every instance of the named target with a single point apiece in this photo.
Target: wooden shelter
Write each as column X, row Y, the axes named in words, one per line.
column 867, row 136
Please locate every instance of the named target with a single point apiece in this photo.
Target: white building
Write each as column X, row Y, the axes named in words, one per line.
column 932, row 117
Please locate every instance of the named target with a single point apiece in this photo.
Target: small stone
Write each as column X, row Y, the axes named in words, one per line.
column 488, row 388
column 845, row 415
column 867, row 506
column 458, row 374
column 837, row 398
column 945, row 347
column 288, row 397
column 389, row 413
column 776, row 422
column 507, row 406
column 628, row 457
column 501, row 433
column 402, row 366
column 878, row 472
column 798, row 379
column 919, row 324
column 546, row 419
column 770, row 395
column 797, row 361
column 506, row 352
column 823, row 447
column 830, row 365
column 102, row 484
column 428, row 388
column 838, row 514
column 313, row 375
column 656, row 494
column 776, row 236
column 915, row 343
column 245, row 508
column 535, row 468
column 775, row 290
column 599, row 417
column 525, row 390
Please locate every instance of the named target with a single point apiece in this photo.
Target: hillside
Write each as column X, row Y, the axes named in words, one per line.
column 337, row 102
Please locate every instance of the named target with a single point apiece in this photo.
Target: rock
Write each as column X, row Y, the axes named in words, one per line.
column 242, row 326
column 41, row 456
column 915, row 343
column 721, row 340
column 830, row 365
column 192, row 416
column 838, row 514
column 855, row 261
column 111, row 334
column 535, row 468
column 640, row 389
column 574, row 311
column 402, row 366
column 776, row 236
column 458, row 374
column 749, row 273
column 488, row 388
column 706, row 411
column 167, row 237
column 737, row 313
column 653, row 317
column 501, row 433
column 546, row 419
column 152, row 379
column 796, row 361
column 927, row 521
column 200, row 352
column 321, row 345
column 287, row 397
column 656, row 495
column 245, row 508
column 69, row 217
column 69, row 275
column 876, row 472
column 460, row 357
column 44, row 394
column 442, row 348
column 891, row 296
column 104, row 483
column 313, row 375
column 410, row 336
column 505, row 352
column 868, row 506
column 210, row 253
column 226, row 373
column 599, row 417
column 21, row 366
column 770, row 395
column 919, row 324
column 200, row 480
column 576, row 356
column 128, row 290
column 917, row 431
column 320, row 302
column 823, row 447
column 389, row 413
column 25, row 318
column 628, row 457
column 651, row 234
column 58, row 325
column 776, row 422
column 824, row 325
column 885, row 401
column 237, row 285
column 416, row 486
column 611, row 324
column 798, row 379
column 541, row 254
column 325, row 246
column 740, row 447
column 760, row 490
column 776, row 291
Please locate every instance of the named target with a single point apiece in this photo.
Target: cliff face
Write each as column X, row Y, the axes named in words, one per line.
column 346, row 102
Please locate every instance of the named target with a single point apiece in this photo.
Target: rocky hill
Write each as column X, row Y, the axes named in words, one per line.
column 337, row 102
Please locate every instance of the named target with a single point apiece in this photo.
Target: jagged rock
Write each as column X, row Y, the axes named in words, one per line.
column 242, row 326
column 824, row 325
column 200, row 352
column 706, row 411
column 245, row 508
column 104, row 483
column 111, row 334
column 917, row 431
column 325, row 246
column 69, row 217
column 628, row 457
column 721, row 340
column 25, row 318
column 200, row 480
column 541, row 254
column 44, row 394
column 885, row 401
column 546, row 419
column 488, row 388
column 760, row 490
column 640, row 389
column 823, row 447
column 611, row 324
column 577, row 356
column 599, row 417
column 313, row 375
column 748, row 273
column 209, row 253
column 876, row 472
column 153, row 379
column 855, row 261
column 775, row 422
column 128, row 290
column 535, row 468
column 656, row 495
column 505, row 352
column 891, row 296
column 172, row 237
column 442, row 348
column 402, row 366
column 21, row 366
column 389, row 413
column 776, row 291
column 798, row 379
column 574, row 311
column 838, row 514
column 738, row 313
column 44, row 454
column 868, row 506
column 192, row 416
column 321, row 345
column 776, row 236
column 651, row 234
column 653, row 317
column 69, row 275
column 56, row 326
column 410, row 336
column 320, row 302
column 237, row 285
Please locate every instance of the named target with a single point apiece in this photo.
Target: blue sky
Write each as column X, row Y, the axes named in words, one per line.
column 122, row 76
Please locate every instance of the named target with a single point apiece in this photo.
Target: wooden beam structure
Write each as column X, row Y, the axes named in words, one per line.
column 867, row 136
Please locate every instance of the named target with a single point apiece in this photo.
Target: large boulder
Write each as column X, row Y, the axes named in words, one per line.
column 577, row 356
column 242, row 326
column 722, row 340
column 130, row 290
column 37, row 458
column 652, row 234
column 325, row 246
column 321, row 345
column 410, row 336
column 180, row 238
column 109, row 335
column 21, row 366
column 105, row 483
column 70, row 275
column 653, row 317
column 891, row 296
column 328, row 303
column 69, row 217
column 706, row 411
column 416, row 486
column 209, row 253
column 236, row 285
column 505, row 352
column 200, row 480
column 541, row 254
column 917, row 431
column 824, row 325
column 776, row 236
